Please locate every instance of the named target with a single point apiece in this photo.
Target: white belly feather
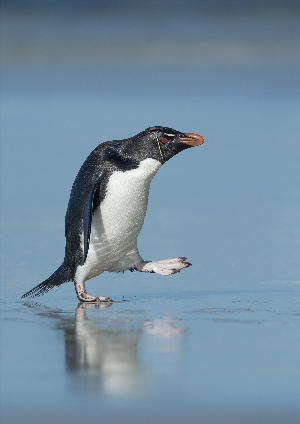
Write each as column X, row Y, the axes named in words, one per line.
column 118, row 221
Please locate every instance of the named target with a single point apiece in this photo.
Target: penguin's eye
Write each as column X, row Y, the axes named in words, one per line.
column 167, row 137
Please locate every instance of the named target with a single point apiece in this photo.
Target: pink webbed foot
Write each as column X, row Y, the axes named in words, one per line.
column 163, row 267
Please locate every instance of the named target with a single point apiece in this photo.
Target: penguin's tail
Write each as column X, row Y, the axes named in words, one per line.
column 59, row 277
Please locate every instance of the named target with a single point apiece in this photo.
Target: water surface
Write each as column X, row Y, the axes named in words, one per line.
column 218, row 342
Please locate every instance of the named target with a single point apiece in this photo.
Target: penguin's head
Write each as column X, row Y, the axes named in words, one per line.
column 162, row 143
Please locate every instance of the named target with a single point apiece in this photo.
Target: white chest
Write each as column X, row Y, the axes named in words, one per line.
column 124, row 207
column 119, row 219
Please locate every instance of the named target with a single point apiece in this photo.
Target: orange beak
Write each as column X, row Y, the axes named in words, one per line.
column 192, row 139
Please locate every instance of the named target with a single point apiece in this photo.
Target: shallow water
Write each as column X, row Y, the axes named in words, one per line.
column 218, row 342
column 222, row 352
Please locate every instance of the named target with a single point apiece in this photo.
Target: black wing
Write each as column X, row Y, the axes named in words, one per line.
column 92, row 203
column 86, row 195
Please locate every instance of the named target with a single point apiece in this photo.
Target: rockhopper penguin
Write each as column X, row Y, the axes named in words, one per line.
column 107, row 208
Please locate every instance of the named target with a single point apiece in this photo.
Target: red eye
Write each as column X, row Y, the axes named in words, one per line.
column 164, row 140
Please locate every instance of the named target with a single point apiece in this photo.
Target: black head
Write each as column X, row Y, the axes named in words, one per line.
column 162, row 143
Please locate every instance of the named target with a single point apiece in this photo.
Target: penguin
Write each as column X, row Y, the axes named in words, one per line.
column 107, row 208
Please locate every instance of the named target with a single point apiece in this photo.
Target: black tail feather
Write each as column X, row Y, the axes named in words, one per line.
column 56, row 279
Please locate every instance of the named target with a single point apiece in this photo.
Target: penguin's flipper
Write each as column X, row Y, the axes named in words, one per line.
column 92, row 203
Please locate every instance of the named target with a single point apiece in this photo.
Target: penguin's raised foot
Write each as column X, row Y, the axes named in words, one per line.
column 163, row 267
column 84, row 297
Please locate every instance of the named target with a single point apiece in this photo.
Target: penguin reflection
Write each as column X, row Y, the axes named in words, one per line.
column 102, row 355
column 101, row 350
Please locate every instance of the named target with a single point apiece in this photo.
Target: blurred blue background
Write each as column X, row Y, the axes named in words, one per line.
column 76, row 73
